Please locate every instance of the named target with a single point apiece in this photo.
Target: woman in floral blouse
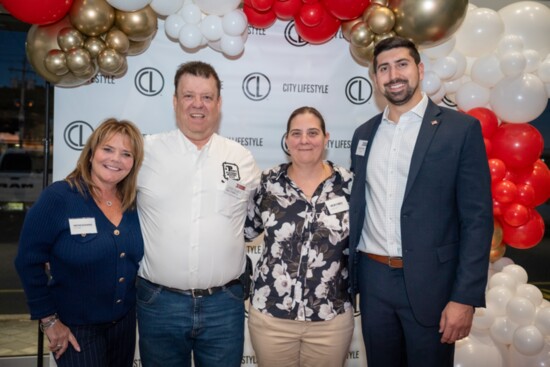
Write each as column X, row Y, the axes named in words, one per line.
column 300, row 313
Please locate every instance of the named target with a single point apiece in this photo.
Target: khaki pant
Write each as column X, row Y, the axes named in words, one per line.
column 289, row 343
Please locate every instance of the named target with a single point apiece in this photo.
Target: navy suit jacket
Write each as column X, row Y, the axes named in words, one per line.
column 446, row 216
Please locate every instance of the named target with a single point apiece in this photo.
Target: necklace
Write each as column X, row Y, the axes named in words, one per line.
column 109, row 203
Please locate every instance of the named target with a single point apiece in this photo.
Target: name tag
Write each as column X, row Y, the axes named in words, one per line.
column 82, row 226
column 337, row 205
column 361, row 148
column 235, row 189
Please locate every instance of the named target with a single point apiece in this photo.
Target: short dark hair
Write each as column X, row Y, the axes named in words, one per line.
column 306, row 109
column 395, row 42
column 197, row 68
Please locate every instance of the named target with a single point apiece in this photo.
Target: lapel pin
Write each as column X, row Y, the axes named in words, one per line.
column 435, row 122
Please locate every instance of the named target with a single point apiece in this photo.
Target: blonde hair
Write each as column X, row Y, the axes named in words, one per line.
column 81, row 176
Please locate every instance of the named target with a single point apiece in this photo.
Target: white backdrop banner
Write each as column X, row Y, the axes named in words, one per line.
column 277, row 73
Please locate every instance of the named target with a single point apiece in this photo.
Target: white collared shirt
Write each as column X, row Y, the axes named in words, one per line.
column 386, row 178
column 192, row 205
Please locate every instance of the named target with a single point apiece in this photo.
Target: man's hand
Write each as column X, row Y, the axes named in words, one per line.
column 456, row 322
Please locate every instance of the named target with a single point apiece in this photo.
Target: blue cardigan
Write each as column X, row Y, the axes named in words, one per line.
column 93, row 275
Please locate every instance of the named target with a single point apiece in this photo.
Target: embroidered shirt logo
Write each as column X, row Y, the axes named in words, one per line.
column 231, row 171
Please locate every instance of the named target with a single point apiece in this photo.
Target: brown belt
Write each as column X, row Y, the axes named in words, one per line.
column 391, row 261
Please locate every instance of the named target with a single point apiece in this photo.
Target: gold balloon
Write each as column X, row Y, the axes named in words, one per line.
column 347, row 26
column 138, row 47
column 497, row 252
column 117, row 40
column 381, row 20
column 56, row 62
column 92, row 17
column 428, row 22
column 497, row 235
column 380, row 37
column 380, row 2
column 363, row 55
column 42, row 39
column 78, row 61
column 122, row 70
column 138, row 25
column 372, row 7
column 94, row 45
column 69, row 38
column 361, row 35
column 109, row 61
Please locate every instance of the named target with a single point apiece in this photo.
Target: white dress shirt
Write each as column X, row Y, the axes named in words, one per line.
column 387, row 172
column 192, row 205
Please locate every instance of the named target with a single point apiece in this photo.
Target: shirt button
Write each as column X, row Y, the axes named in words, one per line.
column 118, row 301
column 117, row 232
column 122, row 255
column 121, row 280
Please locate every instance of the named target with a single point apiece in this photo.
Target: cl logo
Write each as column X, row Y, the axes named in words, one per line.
column 76, row 134
column 292, row 36
column 256, row 86
column 149, row 81
column 358, row 90
column 284, row 147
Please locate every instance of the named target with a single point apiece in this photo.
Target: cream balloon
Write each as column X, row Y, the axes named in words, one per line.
column 503, row 330
column 190, row 36
column 191, row 14
column 440, row 50
column 445, row 67
column 542, row 320
column 173, row 24
column 92, row 17
column 431, row 83
column 211, row 27
column 532, row 57
column 217, row 7
column 486, row 71
column 543, row 71
column 509, row 43
column 497, row 298
column 231, row 46
column 471, row 95
column 512, row 63
column 128, row 5
column 483, row 318
column 528, row 340
column 480, row 32
column 520, row 310
column 234, row 23
column 166, row 7
column 531, row 292
column 517, row 271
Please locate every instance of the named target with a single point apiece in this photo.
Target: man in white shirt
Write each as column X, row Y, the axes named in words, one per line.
column 193, row 190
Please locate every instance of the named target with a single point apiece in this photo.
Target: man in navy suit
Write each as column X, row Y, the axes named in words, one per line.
column 421, row 219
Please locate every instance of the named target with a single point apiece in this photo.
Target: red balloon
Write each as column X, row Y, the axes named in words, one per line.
column 498, row 169
column 527, row 235
column 517, row 145
column 488, row 146
column 321, row 33
column 346, row 9
column 487, row 118
column 262, row 5
column 498, row 208
column 286, row 9
column 516, row 215
column 526, row 195
column 312, row 14
column 539, row 178
column 504, row 191
column 39, row 12
column 259, row 19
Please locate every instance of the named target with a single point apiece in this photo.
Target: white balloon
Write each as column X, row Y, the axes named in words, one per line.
column 502, row 262
column 531, row 292
column 531, row 21
column 190, row 36
column 461, row 64
column 483, row 318
column 517, row 271
column 479, row 33
column 512, row 63
column 445, row 67
column 543, row 72
column 471, row 95
column 547, row 88
column 521, row 360
column 172, row 25
column 211, row 27
column 520, row 310
column 508, row 43
column 528, row 340
column 431, row 83
column 503, row 330
column 128, row 5
column 486, row 71
column 519, row 99
column 231, row 45
column 497, row 299
column 426, row 61
column 533, row 60
column 191, row 13
column 166, row 7
column 438, row 96
column 234, row 23
column 477, row 351
column 217, row 7
column 440, row 50
column 542, row 320
column 452, row 86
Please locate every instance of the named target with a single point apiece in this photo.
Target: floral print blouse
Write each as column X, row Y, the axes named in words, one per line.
column 302, row 273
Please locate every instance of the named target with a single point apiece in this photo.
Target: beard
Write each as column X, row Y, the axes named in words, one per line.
column 401, row 97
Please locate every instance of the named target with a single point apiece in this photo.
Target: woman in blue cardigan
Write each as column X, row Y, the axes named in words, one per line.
column 79, row 251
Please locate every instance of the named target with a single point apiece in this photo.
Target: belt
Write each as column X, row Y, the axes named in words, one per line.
column 197, row 293
column 391, row 261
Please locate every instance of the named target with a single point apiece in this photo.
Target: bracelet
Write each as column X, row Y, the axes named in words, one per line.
column 45, row 325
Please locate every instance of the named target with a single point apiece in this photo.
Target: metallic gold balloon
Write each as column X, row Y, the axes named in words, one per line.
column 381, row 20
column 380, row 2
column 78, row 60
column 138, row 25
column 138, row 47
column 92, row 17
column 42, row 39
column 69, row 38
column 361, row 35
column 497, row 252
column 347, row 26
column 56, row 62
column 362, row 54
column 497, row 235
column 122, row 70
column 117, row 40
column 109, row 61
column 380, row 37
column 428, row 22
column 372, row 7
column 94, row 45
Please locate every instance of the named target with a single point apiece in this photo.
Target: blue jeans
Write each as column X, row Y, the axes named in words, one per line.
column 172, row 325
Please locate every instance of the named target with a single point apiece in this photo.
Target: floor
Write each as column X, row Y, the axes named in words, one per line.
column 18, row 336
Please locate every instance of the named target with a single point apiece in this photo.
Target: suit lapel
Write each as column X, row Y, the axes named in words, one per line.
column 430, row 124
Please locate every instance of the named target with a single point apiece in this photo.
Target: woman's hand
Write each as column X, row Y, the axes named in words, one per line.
column 60, row 336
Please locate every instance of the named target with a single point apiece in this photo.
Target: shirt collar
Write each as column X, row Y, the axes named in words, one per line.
column 419, row 110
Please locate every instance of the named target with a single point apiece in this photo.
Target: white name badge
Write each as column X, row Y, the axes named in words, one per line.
column 235, row 189
column 361, row 148
column 82, row 226
column 337, row 205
